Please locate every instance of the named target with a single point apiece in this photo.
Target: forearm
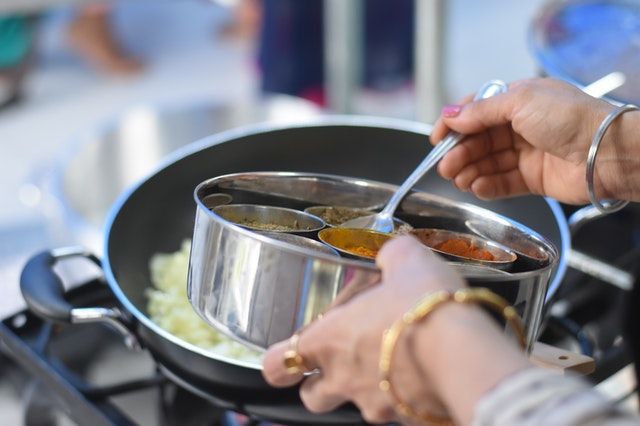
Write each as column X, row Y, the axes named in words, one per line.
column 484, row 379
column 464, row 355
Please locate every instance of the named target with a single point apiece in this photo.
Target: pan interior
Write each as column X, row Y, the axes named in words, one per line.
column 158, row 215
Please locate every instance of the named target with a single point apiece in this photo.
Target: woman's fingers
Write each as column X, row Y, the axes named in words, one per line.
column 319, row 394
column 481, row 115
column 274, row 369
column 474, row 117
column 402, row 253
column 440, row 129
column 499, row 185
column 468, row 151
column 497, row 162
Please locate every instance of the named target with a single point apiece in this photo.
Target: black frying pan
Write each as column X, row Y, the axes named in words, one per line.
column 158, row 214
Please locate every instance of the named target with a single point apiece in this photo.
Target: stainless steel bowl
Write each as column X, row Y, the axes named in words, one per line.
column 214, row 200
column 356, row 243
column 300, row 241
column 337, row 215
column 260, row 291
column 269, row 218
column 501, row 256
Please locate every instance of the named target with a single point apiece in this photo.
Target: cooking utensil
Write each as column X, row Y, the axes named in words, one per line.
column 300, row 241
column 354, row 242
column 260, row 291
column 214, row 200
column 269, row 218
column 501, row 256
column 383, row 221
column 337, row 215
column 135, row 232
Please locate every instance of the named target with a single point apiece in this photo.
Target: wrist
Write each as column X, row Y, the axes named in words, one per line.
column 617, row 166
column 462, row 354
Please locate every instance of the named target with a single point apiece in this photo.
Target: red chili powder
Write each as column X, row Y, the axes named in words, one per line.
column 461, row 247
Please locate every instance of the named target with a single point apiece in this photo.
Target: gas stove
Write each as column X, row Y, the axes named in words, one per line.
column 83, row 373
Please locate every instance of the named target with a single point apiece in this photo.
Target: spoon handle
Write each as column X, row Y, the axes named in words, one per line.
column 489, row 89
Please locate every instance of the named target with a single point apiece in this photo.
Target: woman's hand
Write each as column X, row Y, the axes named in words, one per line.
column 446, row 363
column 345, row 343
column 533, row 139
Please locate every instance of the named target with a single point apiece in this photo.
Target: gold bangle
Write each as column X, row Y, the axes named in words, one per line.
column 419, row 312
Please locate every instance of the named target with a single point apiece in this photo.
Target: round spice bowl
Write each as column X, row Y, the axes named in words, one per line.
column 212, row 201
column 335, row 216
column 354, row 243
column 302, row 242
column 466, row 248
column 269, row 218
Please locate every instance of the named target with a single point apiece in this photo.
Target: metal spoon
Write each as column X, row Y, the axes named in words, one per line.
column 383, row 221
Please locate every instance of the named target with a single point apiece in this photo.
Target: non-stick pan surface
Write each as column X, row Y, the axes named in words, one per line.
column 158, row 214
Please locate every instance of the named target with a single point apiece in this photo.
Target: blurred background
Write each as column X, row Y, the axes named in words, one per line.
column 76, row 74
column 93, row 94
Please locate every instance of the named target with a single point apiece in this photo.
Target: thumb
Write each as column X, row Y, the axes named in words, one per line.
column 404, row 259
column 402, row 253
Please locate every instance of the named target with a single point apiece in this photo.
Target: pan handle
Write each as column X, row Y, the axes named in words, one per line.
column 43, row 292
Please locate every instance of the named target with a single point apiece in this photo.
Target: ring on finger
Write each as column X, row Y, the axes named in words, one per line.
column 293, row 361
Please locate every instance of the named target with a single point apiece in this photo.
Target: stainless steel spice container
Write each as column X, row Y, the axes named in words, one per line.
column 260, row 290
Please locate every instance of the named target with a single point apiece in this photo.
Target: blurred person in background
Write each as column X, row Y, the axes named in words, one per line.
column 89, row 35
column 16, row 41
column 291, row 46
column 245, row 23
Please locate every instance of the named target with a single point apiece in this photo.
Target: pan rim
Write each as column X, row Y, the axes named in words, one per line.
column 253, row 129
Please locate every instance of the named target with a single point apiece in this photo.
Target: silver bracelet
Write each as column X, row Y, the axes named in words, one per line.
column 607, row 206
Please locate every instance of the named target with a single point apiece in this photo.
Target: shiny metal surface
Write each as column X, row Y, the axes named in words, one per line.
column 102, row 163
column 269, row 218
column 300, row 241
column 357, row 243
column 317, row 147
column 260, row 291
column 383, row 221
column 503, row 257
column 332, row 214
column 111, row 316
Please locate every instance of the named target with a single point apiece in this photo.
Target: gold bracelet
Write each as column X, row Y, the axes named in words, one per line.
column 419, row 312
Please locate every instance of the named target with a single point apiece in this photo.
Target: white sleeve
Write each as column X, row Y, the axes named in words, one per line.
column 534, row 397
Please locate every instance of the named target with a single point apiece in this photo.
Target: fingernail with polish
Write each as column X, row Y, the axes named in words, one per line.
column 450, row 111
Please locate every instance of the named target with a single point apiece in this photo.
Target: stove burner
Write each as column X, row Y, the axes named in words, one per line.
column 85, row 372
